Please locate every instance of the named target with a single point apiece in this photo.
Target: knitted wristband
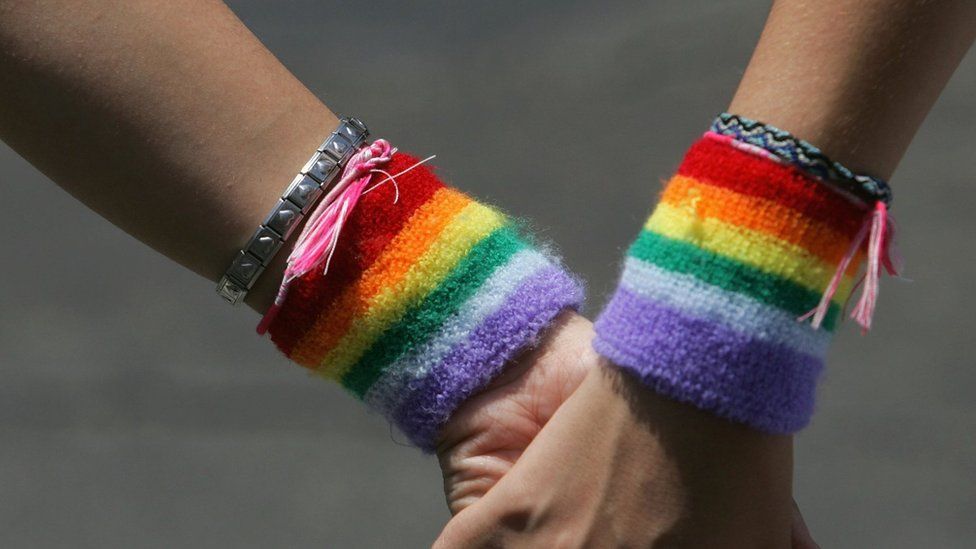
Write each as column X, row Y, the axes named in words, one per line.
column 707, row 308
column 427, row 296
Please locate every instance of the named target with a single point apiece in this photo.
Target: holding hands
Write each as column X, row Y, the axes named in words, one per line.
column 667, row 423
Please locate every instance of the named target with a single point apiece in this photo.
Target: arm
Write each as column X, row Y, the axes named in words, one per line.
column 855, row 78
column 170, row 119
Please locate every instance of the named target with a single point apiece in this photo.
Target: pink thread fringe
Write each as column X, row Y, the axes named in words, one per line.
column 878, row 228
column 317, row 242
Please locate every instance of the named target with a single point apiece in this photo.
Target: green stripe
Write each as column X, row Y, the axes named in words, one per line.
column 729, row 274
column 420, row 322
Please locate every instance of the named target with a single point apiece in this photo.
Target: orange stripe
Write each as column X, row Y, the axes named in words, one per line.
column 757, row 214
column 420, row 231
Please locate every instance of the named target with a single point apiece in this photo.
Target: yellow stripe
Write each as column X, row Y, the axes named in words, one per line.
column 757, row 249
column 470, row 226
column 757, row 214
column 420, row 231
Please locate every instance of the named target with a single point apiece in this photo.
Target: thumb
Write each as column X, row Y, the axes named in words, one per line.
column 475, row 526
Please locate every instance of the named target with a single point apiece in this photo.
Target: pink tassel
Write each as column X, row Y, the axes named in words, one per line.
column 879, row 254
column 821, row 309
column 878, row 230
column 317, row 243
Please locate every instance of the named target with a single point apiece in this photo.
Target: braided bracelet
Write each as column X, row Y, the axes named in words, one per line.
column 803, row 155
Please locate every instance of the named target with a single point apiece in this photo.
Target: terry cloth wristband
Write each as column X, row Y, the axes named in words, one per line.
column 428, row 294
column 706, row 312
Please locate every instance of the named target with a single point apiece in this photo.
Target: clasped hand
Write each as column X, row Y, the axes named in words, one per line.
column 563, row 451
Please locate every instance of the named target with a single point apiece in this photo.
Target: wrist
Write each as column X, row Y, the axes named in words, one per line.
column 422, row 301
column 487, row 434
column 285, row 144
column 560, row 349
column 716, row 483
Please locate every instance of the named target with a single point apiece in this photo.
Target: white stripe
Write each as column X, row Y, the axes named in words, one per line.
column 737, row 311
column 386, row 392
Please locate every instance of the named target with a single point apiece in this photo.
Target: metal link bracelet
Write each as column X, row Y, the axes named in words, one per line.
column 320, row 172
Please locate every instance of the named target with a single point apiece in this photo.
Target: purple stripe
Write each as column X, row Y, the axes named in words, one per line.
column 708, row 364
column 474, row 363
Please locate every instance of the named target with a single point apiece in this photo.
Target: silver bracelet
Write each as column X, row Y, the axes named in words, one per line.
column 319, row 173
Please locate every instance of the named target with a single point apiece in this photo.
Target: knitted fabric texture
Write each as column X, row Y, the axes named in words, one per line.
column 803, row 155
column 706, row 310
column 424, row 302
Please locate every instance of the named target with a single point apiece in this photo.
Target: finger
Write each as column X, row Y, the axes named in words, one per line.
column 474, row 527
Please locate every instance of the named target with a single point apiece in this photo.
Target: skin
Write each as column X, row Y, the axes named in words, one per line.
column 178, row 92
column 617, row 466
column 562, row 450
column 614, row 465
column 855, row 77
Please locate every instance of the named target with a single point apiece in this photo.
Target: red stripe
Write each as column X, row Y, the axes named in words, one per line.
column 372, row 225
column 724, row 166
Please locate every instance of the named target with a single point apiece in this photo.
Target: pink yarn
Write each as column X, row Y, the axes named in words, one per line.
column 879, row 254
column 317, row 242
column 878, row 228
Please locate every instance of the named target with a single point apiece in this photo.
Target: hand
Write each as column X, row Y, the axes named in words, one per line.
column 489, row 433
column 618, row 466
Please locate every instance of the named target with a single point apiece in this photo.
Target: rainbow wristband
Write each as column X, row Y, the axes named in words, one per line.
column 706, row 311
column 427, row 297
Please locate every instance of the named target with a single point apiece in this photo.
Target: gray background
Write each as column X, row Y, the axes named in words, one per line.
column 137, row 410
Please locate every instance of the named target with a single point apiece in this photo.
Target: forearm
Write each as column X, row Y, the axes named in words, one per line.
column 855, row 77
column 709, row 278
column 170, row 119
column 714, row 483
column 176, row 124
